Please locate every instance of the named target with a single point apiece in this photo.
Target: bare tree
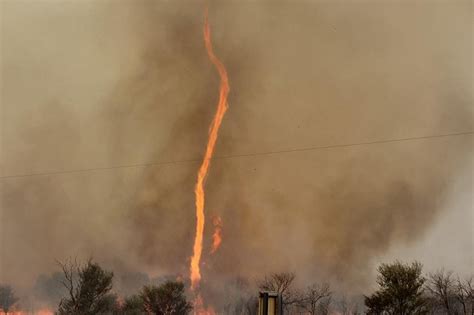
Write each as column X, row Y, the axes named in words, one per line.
column 240, row 297
column 346, row 307
column 251, row 306
column 69, row 280
column 7, row 298
column 324, row 306
column 316, row 299
column 281, row 283
column 441, row 285
column 464, row 294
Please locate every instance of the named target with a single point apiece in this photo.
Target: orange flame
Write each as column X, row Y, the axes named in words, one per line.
column 203, row 170
column 40, row 312
column 199, row 308
column 217, row 236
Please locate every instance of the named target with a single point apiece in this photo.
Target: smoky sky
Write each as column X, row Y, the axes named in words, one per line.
column 96, row 85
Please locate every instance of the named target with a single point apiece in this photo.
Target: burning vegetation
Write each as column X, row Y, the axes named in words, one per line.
column 87, row 289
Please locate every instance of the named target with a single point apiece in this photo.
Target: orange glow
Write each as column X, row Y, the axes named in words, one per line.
column 40, row 312
column 203, row 170
column 199, row 308
column 217, row 236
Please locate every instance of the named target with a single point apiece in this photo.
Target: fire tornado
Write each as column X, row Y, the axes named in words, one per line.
column 204, row 168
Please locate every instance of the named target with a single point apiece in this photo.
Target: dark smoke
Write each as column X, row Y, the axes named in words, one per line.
column 97, row 84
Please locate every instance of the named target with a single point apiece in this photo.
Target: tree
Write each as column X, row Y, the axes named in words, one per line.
column 400, row 290
column 251, row 306
column 441, row 286
column 109, row 305
column 239, row 297
column 281, row 283
column 88, row 289
column 166, row 299
column 316, row 299
column 347, row 306
column 133, row 305
column 7, row 298
column 464, row 294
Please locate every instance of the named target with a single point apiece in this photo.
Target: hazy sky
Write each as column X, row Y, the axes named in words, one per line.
column 88, row 85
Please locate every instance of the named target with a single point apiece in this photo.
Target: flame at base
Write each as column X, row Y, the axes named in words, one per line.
column 40, row 312
column 203, row 170
column 200, row 309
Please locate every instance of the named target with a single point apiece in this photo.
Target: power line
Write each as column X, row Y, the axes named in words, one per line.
column 223, row 157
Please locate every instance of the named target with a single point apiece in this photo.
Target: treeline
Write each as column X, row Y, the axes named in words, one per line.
column 88, row 291
column 402, row 289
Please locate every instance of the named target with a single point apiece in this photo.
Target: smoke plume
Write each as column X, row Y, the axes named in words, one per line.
column 98, row 85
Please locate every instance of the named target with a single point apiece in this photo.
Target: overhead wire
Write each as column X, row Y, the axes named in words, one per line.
column 231, row 156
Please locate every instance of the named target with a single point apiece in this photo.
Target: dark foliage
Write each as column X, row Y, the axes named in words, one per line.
column 167, row 298
column 88, row 290
column 400, row 291
column 133, row 305
column 7, row 298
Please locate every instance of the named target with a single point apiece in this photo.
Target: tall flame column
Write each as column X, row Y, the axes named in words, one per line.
column 204, row 168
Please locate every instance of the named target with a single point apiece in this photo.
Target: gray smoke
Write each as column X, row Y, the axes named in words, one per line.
column 96, row 84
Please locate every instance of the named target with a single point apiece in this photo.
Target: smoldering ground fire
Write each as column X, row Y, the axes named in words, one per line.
column 133, row 86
